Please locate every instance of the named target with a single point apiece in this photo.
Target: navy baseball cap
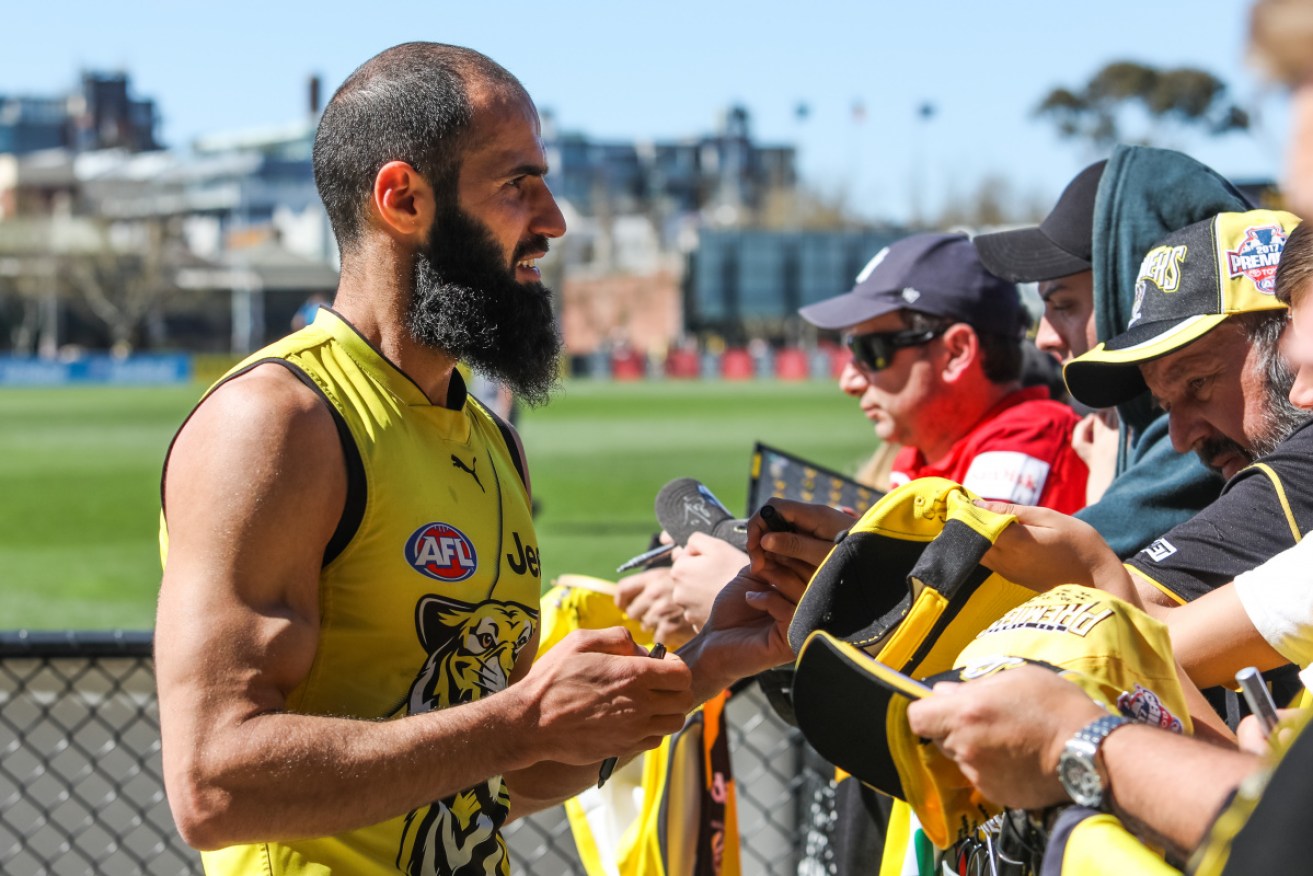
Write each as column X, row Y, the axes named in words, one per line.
column 1061, row 245
column 935, row 274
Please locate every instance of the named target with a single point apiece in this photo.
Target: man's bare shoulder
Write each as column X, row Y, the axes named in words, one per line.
column 261, row 428
column 268, row 402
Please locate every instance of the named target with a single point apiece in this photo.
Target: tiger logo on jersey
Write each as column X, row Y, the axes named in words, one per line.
column 472, row 651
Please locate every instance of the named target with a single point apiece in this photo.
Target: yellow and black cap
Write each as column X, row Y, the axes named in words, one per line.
column 853, row 708
column 1189, row 283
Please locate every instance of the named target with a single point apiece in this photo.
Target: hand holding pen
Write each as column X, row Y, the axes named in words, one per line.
column 608, row 766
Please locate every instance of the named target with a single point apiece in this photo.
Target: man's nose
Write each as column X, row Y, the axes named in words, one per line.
column 1187, row 428
column 1048, row 340
column 548, row 220
column 1301, row 391
column 852, row 381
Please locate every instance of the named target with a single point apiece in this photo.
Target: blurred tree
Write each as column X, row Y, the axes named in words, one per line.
column 22, row 295
column 806, row 208
column 1102, row 112
column 125, row 278
column 994, row 201
column 118, row 274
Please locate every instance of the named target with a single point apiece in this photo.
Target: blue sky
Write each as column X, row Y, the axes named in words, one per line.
column 666, row 70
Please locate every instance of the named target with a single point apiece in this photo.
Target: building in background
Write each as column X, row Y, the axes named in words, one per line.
column 99, row 114
column 105, row 244
column 108, row 240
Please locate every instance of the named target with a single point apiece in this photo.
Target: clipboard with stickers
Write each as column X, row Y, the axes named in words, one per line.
column 776, row 472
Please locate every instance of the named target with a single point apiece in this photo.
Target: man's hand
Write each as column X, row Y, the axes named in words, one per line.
column 1005, row 732
column 597, row 694
column 649, row 598
column 746, row 633
column 1095, row 440
column 1046, row 548
column 787, row 560
column 700, row 571
column 1251, row 738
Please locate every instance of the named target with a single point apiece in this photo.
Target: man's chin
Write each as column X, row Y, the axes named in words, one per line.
column 1229, row 465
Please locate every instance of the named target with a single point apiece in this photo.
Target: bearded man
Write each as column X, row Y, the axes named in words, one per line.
column 348, row 618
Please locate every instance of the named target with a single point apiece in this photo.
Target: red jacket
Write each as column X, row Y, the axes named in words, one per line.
column 1020, row 451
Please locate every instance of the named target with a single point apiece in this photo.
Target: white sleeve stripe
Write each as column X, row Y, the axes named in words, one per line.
column 1008, row 476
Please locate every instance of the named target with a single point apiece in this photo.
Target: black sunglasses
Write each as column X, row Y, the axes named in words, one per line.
column 874, row 351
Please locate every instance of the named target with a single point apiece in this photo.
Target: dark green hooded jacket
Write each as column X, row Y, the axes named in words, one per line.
column 1143, row 195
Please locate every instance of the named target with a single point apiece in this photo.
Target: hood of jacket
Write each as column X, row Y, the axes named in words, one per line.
column 1144, row 194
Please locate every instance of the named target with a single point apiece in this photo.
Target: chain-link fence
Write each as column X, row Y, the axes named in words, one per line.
column 81, row 788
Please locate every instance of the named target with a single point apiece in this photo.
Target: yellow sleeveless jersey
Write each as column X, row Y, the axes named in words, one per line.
column 428, row 595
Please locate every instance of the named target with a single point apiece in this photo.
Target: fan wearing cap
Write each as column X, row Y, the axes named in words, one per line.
column 1203, row 338
column 1084, row 257
column 936, row 366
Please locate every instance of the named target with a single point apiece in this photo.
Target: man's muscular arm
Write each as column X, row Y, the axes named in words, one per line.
column 237, row 631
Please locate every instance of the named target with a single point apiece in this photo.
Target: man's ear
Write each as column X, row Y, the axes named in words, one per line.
column 961, row 347
column 402, row 202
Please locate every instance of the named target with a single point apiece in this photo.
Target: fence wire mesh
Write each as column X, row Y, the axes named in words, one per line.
column 82, row 791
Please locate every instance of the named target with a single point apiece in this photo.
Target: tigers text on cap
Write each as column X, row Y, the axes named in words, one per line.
column 1061, row 245
column 937, row 274
column 1188, row 284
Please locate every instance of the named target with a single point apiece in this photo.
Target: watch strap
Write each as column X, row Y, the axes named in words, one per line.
column 1077, row 768
column 1097, row 730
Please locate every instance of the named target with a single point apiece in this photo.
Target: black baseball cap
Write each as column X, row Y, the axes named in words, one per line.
column 1061, row 245
column 936, row 274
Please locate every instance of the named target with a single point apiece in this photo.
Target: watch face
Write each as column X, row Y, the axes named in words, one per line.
column 1079, row 778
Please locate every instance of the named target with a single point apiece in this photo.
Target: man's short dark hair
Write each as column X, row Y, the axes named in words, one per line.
column 409, row 103
column 1295, row 269
column 1001, row 356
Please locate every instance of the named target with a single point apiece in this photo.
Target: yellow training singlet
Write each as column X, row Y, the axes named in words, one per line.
column 428, row 595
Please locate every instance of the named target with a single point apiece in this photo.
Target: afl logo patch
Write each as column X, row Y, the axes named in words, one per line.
column 441, row 551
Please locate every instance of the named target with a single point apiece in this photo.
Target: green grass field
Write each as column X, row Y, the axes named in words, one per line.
column 79, row 475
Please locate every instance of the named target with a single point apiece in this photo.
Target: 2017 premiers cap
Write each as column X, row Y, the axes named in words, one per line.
column 1188, row 284
column 936, row 274
column 853, row 709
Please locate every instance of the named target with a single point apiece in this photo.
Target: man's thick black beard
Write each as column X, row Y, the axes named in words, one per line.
column 467, row 303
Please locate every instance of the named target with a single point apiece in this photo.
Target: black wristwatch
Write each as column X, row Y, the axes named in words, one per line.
column 1078, row 770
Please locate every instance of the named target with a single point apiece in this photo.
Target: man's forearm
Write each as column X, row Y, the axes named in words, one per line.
column 284, row 776
column 1169, row 788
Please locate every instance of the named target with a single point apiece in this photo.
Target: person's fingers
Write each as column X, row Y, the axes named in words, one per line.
column 1084, row 430
column 996, row 507
column 609, row 640
column 772, row 603
column 791, row 588
column 697, row 544
column 930, row 718
column 1250, row 736
column 628, row 589
column 797, row 546
column 660, row 610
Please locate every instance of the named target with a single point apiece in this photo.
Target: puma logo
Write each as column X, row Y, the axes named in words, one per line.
column 460, row 464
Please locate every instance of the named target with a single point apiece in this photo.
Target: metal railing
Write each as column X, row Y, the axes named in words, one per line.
column 81, row 786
